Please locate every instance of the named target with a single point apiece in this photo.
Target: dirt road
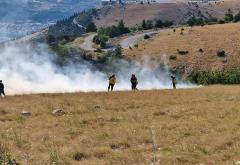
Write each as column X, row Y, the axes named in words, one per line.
column 88, row 44
column 130, row 41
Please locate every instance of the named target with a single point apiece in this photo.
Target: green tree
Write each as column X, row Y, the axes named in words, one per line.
column 118, row 51
column 149, row 24
column 237, row 17
column 122, row 28
column 144, row 25
column 91, row 27
column 229, row 16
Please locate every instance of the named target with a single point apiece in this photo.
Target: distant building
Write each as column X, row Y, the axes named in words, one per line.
column 109, row 2
column 113, row 2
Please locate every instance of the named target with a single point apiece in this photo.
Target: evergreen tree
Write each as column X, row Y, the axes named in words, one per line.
column 91, row 27
column 144, row 26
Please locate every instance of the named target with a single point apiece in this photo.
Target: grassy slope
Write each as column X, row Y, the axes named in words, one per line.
column 209, row 38
column 185, row 126
column 177, row 12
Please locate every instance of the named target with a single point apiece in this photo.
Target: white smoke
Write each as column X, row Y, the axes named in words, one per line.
column 25, row 70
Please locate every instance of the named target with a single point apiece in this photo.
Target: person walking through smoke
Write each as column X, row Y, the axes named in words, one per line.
column 134, row 82
column 2, row 89
column 112, row 82
column 174, row 82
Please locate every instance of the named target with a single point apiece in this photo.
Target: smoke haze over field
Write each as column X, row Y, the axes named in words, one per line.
column 25, row 71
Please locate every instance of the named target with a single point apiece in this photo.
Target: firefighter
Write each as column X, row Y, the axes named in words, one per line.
column 174, row 82
column 134, row 82
column 2, row 89
column 112, row 82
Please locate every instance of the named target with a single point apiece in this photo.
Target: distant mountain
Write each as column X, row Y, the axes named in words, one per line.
column 41, row 11
column 20, row 17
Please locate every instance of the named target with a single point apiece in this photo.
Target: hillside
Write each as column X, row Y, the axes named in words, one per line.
column 178, row 11
column 189, row 126
column 210, row 39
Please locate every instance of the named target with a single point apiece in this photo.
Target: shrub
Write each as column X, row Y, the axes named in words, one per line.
column 221, row 21
column 215, row 77
column 195, row 21
column 181, row 52
column 173, row 57
column 146, row 36
column 79, row 156
column 136, row 45
column 149, row 24
column 228, row 17
column 237, row 17
column 160, row 24
column 5, row 157
column 221, row 53
column 201, row 50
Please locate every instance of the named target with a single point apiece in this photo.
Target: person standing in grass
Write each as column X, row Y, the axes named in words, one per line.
column 174, row 82
column 134, row 82
column 2, row 89
column 112, row 82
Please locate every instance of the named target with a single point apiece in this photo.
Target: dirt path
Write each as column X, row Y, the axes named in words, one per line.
column 130, row 41
column 76, row 23
column 88, row 44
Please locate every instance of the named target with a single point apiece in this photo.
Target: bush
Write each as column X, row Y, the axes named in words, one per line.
column 221, row 21
column 216, row 77
column 114, row 31
column 237, row 17
column 101, row 40
column 221, row 53
column 161, row 24
column 146, row 36
column 181, row 52
column 201, row 50
column 5, row 157
column 79, row 156
column 173, row 57
column 195, row 21
column 228, row 17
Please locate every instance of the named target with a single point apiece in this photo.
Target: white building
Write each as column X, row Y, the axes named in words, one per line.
column 109, row 2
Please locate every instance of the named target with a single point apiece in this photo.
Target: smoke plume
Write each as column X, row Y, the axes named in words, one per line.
column 25, row 70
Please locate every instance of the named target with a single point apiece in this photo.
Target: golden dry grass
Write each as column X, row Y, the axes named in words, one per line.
column 186, row 126
column 208, row 38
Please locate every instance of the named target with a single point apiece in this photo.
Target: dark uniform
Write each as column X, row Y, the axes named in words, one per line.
column 2, row 88
column 134, row 82
column 174, row 82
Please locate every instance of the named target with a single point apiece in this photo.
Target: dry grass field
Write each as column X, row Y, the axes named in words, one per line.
column 185, row 126
column 210, row 39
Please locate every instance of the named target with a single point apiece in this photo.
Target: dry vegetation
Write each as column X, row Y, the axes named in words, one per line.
column 189, row 126
column 178, row 11
column 169, row 45
column 135, row 13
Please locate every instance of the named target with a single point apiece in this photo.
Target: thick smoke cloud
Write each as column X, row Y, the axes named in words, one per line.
column 26, row 70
